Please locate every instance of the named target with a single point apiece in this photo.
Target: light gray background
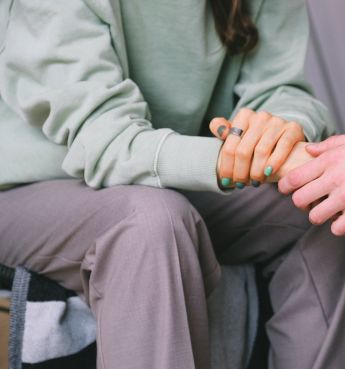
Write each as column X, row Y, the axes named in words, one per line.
column 325, row 65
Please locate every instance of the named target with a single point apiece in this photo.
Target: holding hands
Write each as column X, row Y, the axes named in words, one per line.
column 256, row 147
column 320, row 184
column 260, row 147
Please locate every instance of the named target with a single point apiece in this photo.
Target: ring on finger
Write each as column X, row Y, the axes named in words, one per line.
column 236, row 131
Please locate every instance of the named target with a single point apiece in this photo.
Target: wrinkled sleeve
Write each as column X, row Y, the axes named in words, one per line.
column 272, row 77
column 60, row 72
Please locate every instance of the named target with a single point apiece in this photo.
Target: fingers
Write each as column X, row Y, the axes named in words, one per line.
column 326, row 210
column 264, row 148
column 316, row 203
column 228, row 151
column 220, row 127
column 338, row 226
column 312, row 192
column 292, row 135
column 265, row 145
column 302, row 175
column 318, row 148
column 245, row 149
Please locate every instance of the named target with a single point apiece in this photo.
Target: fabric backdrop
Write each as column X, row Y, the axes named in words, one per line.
column 325, row 65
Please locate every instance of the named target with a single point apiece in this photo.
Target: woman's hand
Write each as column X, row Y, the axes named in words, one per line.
column 265, row 145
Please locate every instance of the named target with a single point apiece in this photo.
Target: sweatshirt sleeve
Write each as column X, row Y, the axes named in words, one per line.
column 272, row 76
column 59, row 71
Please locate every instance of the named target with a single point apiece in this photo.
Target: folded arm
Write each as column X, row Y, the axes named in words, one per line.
column 60, row 72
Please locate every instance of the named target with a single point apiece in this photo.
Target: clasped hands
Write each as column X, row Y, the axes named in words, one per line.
column 272, row 149
column 260, row 154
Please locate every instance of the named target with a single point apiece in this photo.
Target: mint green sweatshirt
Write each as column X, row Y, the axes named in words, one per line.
column 118, row 91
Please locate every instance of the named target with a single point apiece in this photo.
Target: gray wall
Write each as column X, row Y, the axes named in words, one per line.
column 325, row 65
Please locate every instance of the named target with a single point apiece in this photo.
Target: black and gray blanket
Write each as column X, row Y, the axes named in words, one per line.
column 50, row 326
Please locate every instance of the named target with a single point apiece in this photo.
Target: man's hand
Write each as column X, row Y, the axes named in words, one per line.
column 321, row 181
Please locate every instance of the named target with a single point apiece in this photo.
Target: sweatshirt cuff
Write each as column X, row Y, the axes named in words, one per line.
column 189, row 163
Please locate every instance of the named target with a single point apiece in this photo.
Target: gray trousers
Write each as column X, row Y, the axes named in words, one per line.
column 144, row 260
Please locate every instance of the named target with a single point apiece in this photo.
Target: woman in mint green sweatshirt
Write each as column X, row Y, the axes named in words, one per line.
column 117, row 95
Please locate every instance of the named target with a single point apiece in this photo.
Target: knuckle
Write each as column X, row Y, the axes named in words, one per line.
column 263, row 116
column 246, row 111
column 294, row 179
column 295, row 126
column 261, row 151
column 297, row 129
column 277, row 122
column 285, row 143
column 244, row 114
column 229, row 151
column 242, row 153
column 335, row 182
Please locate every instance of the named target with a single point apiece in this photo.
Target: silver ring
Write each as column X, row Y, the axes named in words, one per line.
column 236, row 131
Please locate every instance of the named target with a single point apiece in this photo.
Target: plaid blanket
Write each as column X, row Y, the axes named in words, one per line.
column 50, row 326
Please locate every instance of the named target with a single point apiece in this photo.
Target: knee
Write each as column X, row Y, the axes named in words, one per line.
column 160, row 231
column 148, row 215
column 166, row 212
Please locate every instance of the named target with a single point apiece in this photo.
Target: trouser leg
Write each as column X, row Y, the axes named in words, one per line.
column 142, row 258
column 308, row 298
column 306, row 265
column 148, row 292
column 251, row 225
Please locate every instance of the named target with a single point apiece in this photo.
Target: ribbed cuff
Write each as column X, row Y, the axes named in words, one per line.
column 189, row 163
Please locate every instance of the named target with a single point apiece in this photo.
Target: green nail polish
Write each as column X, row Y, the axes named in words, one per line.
column 226, row 182
column 240, row 185
column 255, row 183
column 268, row 171
column 221, row 130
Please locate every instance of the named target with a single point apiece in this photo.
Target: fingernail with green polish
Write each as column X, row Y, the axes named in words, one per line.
column 240, row 185
column 255, row 183
column 221, row 130
column 268, row 171
column 226, row 182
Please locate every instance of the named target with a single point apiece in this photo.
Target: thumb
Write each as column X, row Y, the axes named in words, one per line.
column 220, row 127
column 317, row 149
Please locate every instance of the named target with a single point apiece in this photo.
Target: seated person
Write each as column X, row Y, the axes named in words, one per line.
column 110, row 189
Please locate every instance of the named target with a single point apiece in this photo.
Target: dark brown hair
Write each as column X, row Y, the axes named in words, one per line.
column 234, row 25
